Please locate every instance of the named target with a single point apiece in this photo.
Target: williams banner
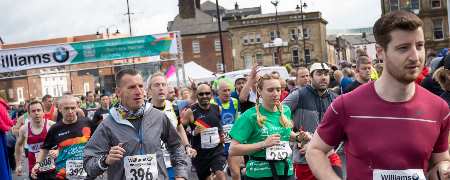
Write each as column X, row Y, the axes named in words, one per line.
column 157, row 47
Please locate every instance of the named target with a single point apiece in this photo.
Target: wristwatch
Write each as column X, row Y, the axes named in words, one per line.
column 102, row 163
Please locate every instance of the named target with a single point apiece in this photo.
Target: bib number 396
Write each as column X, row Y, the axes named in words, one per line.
column 75, row 169
column 279, row 152
column 141, row 167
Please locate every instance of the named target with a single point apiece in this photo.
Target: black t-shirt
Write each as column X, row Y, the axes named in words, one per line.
column 212, row 118
column 355, row 84
column 243, row 106
column 99, row 116
column 61, row 132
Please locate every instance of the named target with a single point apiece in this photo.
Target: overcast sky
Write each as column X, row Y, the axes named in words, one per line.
column 28, row 20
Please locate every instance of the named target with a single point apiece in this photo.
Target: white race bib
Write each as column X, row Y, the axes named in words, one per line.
column 226, row 132
column 90, row 114
column 210, row 138
column 35, row 148
column 74, row 169
column 279, row 152
column 166, row 155
column 413, row 174
column 141, row 167
column 47, row 164
column 104, row 116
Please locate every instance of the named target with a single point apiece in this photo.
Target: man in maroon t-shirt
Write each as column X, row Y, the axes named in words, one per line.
column 391, row 128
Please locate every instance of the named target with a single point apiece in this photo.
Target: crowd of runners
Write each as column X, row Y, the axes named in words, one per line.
column 385, row 118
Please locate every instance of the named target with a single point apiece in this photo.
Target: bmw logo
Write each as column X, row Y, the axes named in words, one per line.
column 61, row 55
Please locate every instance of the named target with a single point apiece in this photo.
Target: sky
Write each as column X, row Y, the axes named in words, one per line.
column 29, row 20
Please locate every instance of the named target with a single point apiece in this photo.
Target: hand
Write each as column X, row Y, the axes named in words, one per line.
column 444, row 170
column 303, row 137
column 115, row 154
column 302, row 148
column 179, row 178
column 19, row 170
column 53, row 153
column 191, row 152
column 198, row 130
column 34, row 171
column 254, row 71
column 271, row 141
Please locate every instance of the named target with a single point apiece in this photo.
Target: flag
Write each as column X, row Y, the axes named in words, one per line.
column 170, row 71
column 201, row 123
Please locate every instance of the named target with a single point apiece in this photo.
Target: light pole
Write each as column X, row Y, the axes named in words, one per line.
column 129, row 17
column 220, row 36
column 277, row 41
column 300, row 7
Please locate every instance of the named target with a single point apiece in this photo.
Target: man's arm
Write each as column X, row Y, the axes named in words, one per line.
column 19, row 149
column 316, row 156
column 439, row 165
column 245, row 92
column 96, row 148
column 177, row 154
column 292, row 101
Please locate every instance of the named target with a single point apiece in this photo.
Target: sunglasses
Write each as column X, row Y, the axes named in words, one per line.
column 204, row 93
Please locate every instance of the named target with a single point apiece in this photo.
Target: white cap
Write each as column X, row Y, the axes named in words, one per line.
column 318, row 66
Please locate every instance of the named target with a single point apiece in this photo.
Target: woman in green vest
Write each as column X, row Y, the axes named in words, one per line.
column 264, row 132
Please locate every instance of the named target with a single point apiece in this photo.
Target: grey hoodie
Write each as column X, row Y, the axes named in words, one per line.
column 155, row 127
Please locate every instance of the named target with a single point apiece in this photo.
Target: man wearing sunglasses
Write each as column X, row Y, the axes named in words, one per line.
column 207, row 136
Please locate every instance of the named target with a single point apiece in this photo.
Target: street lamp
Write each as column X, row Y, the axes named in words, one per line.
column 300, row 8
column 278, row 42
column 220, row 37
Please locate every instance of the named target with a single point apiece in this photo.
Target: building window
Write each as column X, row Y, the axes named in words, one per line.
column 438, row 29
column 435, row 4
column 308, row 55
column 245, row 39
column 251, row 37
column 394, row 5
column 274, row 34
column 217, row 45
column 20, row 94
column 295, row 58
column 259, row 58
column 248, row 61
column 306, row 33
column 415, row 4
column 85, row 87
column 258, row 38
column 195, row 47
column 293, row 34
column 274, row 57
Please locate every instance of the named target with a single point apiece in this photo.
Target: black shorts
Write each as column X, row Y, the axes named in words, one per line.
column 206, row 166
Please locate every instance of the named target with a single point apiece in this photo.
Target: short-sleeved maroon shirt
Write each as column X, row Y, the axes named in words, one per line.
column 386, row 135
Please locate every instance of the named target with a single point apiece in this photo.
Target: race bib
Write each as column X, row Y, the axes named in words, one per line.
column 279, row 152
column 226, row 131
column 35, row 148
column 74, row 169
column 141, row 167
column 413, row 174
column 166, row 155
column 210, row 138
column 47, row 164
column 104, row 116
column 90, row 114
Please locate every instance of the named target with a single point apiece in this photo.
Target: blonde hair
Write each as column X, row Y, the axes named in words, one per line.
column 260, row 119
column 440, row 75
